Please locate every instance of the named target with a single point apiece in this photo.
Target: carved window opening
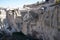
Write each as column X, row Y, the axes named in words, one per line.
column 0, row 12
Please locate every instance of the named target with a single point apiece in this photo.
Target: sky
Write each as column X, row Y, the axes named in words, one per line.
column 16, row 3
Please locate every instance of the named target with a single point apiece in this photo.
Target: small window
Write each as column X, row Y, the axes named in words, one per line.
column 59, row 30
column 47, row 17
column 0, row 12
column 42, row 13
column 47, row 0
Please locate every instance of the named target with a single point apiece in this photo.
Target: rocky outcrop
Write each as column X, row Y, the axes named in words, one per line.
column 46, row 24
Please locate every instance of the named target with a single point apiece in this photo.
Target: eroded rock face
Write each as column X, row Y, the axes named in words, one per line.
column 38, row 23
column 41, row 23
column 45, row 26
